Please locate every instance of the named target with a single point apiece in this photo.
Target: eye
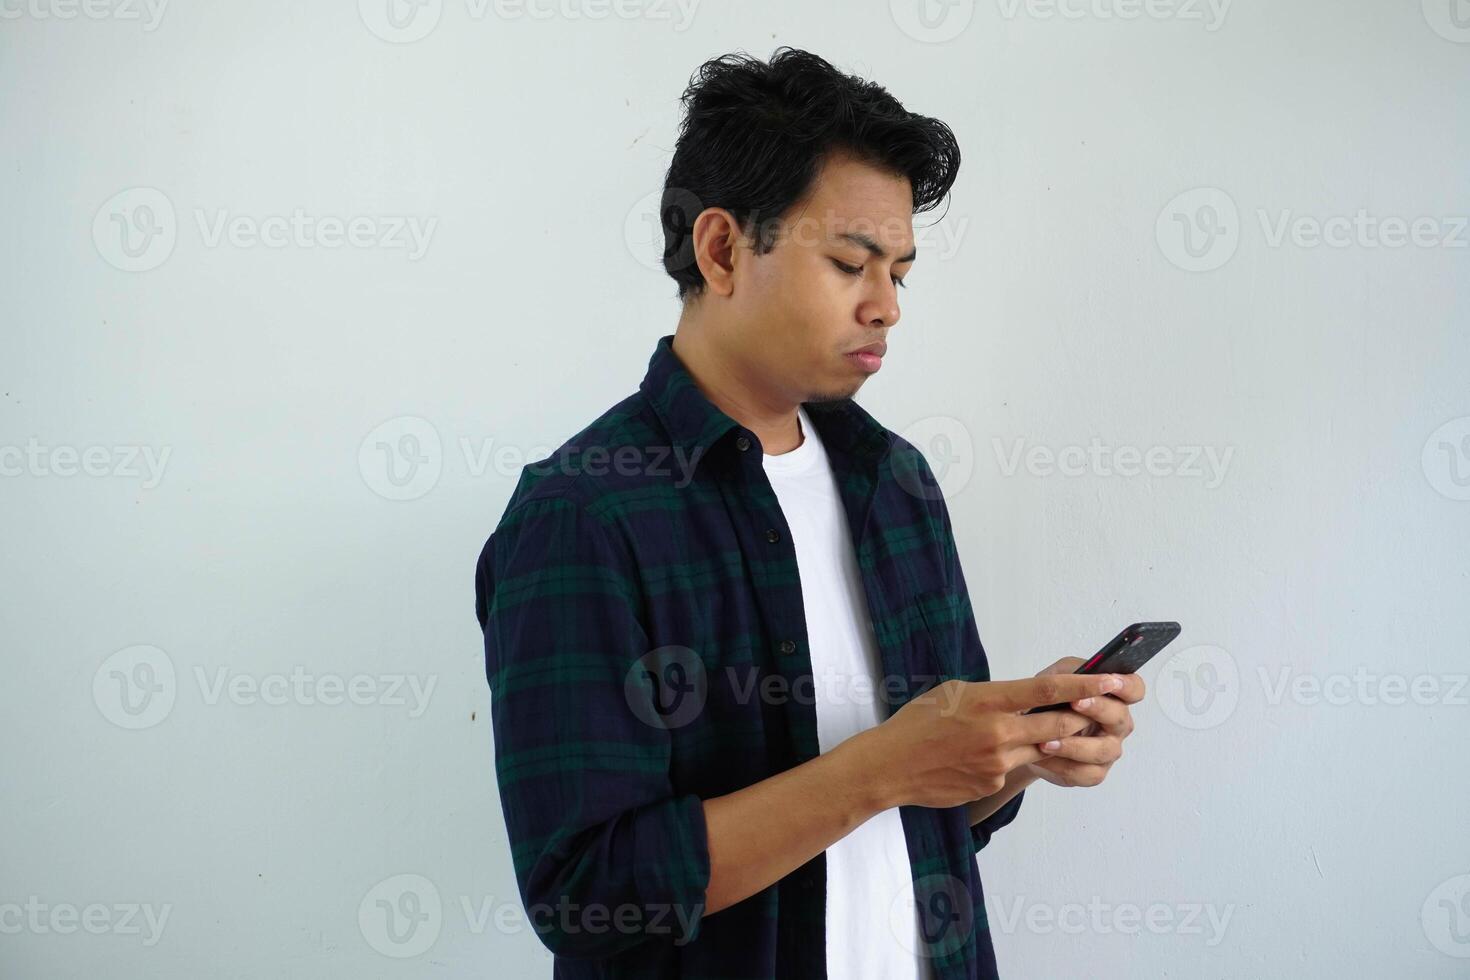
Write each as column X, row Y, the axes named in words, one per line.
column 857, row 270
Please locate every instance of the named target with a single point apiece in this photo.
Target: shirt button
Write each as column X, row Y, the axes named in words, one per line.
column 773, row 535
column 742, row 444
column 788, row 646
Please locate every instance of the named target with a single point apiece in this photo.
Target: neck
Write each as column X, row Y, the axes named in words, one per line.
column 723, row 381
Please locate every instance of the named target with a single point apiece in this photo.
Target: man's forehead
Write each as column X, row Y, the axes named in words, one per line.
column 881, row 223
column 852, row 198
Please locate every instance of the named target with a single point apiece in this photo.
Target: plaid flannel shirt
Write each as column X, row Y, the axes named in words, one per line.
column 646, row 649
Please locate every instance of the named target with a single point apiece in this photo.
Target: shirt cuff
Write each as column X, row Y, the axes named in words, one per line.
column 671, row 864
column 980, row 832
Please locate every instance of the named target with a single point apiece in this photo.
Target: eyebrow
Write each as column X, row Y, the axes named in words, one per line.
column 877, row 251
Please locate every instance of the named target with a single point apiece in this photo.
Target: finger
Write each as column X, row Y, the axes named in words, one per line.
column 1066, row 665
column 1108, row 712
column 1102, row 750
column 1132, row 691
column 1021, row 755
column 1075, row 773
column 1047, row 726
column 1034, row 692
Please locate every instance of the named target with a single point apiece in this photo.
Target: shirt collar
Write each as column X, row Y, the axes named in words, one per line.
column 695, row 425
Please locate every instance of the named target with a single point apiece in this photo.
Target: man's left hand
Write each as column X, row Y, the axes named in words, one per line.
column 1084, row 759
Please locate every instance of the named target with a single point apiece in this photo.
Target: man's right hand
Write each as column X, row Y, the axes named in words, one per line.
column 957, row 741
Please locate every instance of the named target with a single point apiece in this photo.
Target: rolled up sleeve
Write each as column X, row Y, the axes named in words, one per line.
column 977, row 667
column 980, row 832
column 607, row 855
column 973, row 663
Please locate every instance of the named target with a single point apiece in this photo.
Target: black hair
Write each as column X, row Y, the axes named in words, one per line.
column 755, row 135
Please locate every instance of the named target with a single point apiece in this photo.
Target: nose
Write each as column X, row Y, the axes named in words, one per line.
column 881, row 311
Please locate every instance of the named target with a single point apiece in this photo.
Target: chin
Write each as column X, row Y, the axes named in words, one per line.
column 836, row 396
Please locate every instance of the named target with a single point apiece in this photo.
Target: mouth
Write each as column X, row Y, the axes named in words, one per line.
column 869, row 358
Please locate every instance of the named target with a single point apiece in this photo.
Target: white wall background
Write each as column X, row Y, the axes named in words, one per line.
column 1276, row 814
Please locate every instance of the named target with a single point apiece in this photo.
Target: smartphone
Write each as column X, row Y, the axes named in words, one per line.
column 1124, row 653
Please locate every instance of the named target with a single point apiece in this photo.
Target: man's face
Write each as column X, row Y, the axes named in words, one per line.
column 825, row 290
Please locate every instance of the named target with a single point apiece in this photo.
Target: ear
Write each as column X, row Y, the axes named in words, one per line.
column 717, row 247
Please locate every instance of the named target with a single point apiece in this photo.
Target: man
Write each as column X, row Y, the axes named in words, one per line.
column 744, row 725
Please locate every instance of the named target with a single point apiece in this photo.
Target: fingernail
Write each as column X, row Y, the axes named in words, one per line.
column 1053, row 745
column 1114, row 683
column 1085, row 703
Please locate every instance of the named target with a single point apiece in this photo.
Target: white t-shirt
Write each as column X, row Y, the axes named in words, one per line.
column 872, row 921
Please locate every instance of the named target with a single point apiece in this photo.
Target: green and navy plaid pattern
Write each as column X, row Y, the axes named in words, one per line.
column 646, row 648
